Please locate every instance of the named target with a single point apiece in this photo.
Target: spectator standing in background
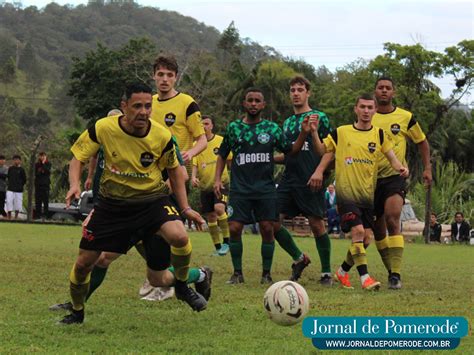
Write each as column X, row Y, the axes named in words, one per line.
column 42, row 182
column 16, row 183
column 3, row 185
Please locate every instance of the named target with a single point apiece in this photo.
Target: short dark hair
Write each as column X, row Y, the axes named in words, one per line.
column 16, row 156
column 366, row 96
column 135, row 88
column 2, row 157
column 386, row 78
column 460, row 213
column 168, row 62
column 207, row 117
column 299, row 79
column 434, row 214
column 253, row 89
column 42, row 153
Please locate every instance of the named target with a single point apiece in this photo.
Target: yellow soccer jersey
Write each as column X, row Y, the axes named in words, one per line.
column 357, row 154
column 398, row 125
column 181, row 115
column 131, row 164
column 206, row 164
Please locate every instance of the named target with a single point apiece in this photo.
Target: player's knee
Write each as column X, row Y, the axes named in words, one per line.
column 219, row 209
column 106, row 259
column 393, row 224
column 266, row 230
column 235, row 230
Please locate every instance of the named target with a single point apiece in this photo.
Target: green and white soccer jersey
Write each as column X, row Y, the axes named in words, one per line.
column 300, row 167
column 252, row 146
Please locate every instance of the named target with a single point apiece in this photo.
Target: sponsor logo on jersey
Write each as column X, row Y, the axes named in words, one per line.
column 395, row 128
column 348, row 160
column 216, row 150
column 263, row 138
column 247, row 158
column 230, row 211
column 351, row 160
column 146, row 159
column 170, row 119
column 371, row 147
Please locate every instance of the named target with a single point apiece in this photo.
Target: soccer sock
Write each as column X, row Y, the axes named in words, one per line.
column 141, row 249
column 180, row 259
column 194, row 274
column 78, row 288
column 224, row 226
column 214, row 232
column 226, row 241
column 97, row 276
column 323, row 245
column 360, row 258
column 396, row 244
column 384, row 251
column 285, row 239
column 236, row 251
column 267, row 251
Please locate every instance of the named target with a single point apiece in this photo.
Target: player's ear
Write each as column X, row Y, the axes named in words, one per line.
column 123, row 106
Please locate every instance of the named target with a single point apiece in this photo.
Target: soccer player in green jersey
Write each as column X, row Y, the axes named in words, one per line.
column 299, row 191
column 252, row 141
column 357, row 148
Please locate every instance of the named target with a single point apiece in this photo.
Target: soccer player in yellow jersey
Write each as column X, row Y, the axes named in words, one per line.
column 357, row 148
column 204, row 171
column 132, row 198
column 399, row 125
column 177, row 111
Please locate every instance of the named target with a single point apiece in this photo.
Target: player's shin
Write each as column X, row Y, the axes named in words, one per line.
column 323, row 245
column 224, row 226
column 396, row 244
column 180, row 259
column 384, row 251
column 285, row 240
column 79, row 287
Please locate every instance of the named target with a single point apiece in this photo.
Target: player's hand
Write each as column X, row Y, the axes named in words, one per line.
column 195, row 182
column 313, row 122
column 217, row 189
column 315, row 182
column 187, row 156
column 194, row 216
column 73, row 194
column 88, row 184
column 305, row 127
column 404, row 172
column 427, row 177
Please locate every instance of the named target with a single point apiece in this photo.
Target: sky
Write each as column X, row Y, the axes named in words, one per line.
column 331, row 32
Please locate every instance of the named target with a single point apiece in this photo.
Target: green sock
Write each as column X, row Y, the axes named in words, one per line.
column 285, row 239
column 97, row 276
column 193, row 276
column 236, row 251
column 323, row 244
column 267, row 255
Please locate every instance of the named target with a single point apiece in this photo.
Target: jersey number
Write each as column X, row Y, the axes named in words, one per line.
column 171, row 210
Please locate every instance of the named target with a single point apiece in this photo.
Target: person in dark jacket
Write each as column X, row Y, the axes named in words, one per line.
column 3, row 185
column 460, row 229
column 435, row 229
column 42, row 182
column 16, row 183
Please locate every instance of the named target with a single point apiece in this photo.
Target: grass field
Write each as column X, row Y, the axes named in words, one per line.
column 35, row 261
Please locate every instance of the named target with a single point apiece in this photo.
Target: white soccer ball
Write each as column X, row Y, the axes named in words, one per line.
column 286, row 302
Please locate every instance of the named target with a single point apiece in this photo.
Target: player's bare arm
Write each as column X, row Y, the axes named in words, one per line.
column 298, row 144
column 279, row 159
column 199, row 146
column 315, row 182
column 220, row 164
column 396, row 165
column 75, row 171
column 90, row 172
column 194, row 178
column 318, row 146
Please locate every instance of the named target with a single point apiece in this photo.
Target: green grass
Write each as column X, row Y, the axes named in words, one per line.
column 35, row 261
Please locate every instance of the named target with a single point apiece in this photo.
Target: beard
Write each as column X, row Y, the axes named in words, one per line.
column 254, row 115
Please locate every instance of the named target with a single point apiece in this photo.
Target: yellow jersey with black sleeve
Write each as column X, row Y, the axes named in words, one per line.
column 206, row 164
column 398, row 125
column 181, row 115
column 131, row 163
column 357, row 154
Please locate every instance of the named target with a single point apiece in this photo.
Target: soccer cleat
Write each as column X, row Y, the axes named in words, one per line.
column 185, row 293
column 66, row 306
column 76, row 317
column 298, row 266
column 266, row 279
column 145, row 289
column 204, row 287
column 343, row 280
column 215, row 253
column 326, row 280
column 223, row 250
column 371, row 284
column 394, row 283
column 236, row 278
column 159, row 294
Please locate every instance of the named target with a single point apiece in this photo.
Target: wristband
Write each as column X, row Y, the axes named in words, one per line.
column 185, row 209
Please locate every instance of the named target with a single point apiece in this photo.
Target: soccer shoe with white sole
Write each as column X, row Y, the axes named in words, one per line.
column 394, row 283
column 76, row 317
column 66, row 306
column 145, row 289
column 223, row 250
column 204, row 287
column 298, row 266
column 371, row 284
column 159, row 294
column 236, row 278
column 326, row 280
column 343, row 280
column 266, row 279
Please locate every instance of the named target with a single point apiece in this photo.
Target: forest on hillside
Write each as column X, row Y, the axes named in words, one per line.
column 62, row 66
